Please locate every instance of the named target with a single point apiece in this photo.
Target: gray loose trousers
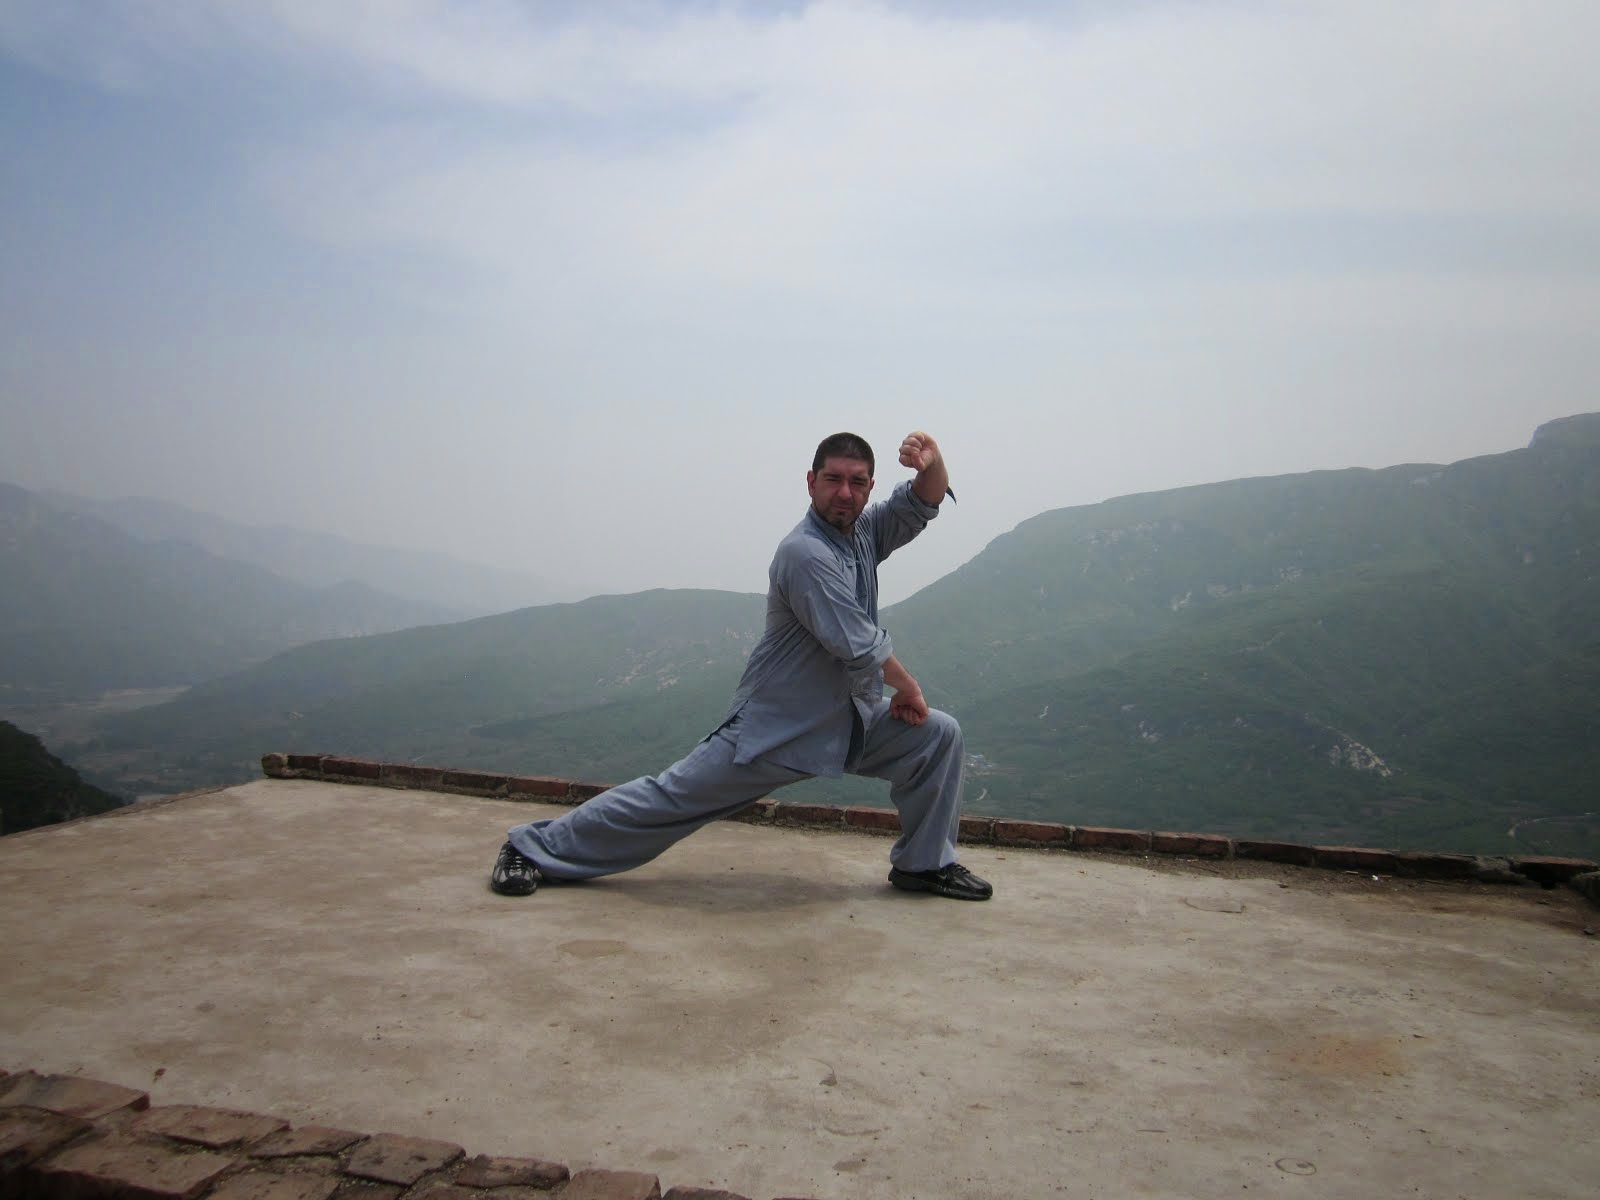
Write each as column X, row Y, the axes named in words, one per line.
column 634, row 822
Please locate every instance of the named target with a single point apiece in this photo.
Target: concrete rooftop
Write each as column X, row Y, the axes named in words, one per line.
column 758, row 1011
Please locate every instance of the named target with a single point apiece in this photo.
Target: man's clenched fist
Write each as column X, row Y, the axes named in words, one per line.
column 918, row 451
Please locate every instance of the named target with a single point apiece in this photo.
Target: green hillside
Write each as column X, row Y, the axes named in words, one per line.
column 1403, row 656
column 37, row 788
column 516, row 691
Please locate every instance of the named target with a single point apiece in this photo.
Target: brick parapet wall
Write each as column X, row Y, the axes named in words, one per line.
column 64, row 1137
column 1543, row 870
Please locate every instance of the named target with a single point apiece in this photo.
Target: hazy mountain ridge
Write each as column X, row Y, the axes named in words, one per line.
column 454, row 586
column 86, row 606
column 1404, row 656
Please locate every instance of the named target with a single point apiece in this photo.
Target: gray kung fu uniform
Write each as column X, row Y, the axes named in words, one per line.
column 810, row 703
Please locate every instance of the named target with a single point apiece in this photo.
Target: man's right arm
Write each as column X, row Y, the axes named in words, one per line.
column 825, row 604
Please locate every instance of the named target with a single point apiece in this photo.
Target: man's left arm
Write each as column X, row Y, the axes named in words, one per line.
column 906, row 513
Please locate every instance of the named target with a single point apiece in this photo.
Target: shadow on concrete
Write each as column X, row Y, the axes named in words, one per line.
column 740, row 890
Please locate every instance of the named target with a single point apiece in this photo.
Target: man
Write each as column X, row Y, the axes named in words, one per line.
column 810, row 703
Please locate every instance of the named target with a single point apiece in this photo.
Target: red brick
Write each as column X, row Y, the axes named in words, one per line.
column 1423, row 865
column 390, row 1158
column 809, row 814
column 538, row 785
column 306, row 762
column 612, row 1185
column 1047, row 833
column 406, row 775
column 1279, row 852
column 274, row 765
column 1548, row 870
column 476, row 782
column 579, row 792
column 269, row 1185
column 361, row 1189
column 977, row 829
column 1357, row 858
column 884, row 820
column 119, row 1166
column 30, row 1133
column 700, row 1193
column 1196, row 845
column 352, row 768
column 308, row 1139
column 488, row 1171
column 70, row 1095
column 1093, row 837
column 757, row 812
column 218, row 1128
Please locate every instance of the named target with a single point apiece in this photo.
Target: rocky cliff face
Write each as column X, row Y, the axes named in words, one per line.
column 1581, row 430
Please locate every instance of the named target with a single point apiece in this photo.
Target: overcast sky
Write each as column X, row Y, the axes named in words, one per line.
column 578, row 287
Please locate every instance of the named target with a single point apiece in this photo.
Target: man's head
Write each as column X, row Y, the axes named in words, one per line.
column 840, row 479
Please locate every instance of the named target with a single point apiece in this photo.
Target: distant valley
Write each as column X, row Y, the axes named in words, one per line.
column 1404, row 657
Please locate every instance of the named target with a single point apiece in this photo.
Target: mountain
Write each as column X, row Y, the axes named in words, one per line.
column 319, row 560
column 36, row 788
column 86, row 607
column 1404, row 656
column 476, row 693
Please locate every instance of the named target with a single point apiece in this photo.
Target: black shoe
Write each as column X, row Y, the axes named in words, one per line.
column 513, row 875
column 954, row 881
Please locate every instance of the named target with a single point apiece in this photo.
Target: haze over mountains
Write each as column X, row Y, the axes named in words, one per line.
column 1404, row 657
column 86, row 605
column 319, row 560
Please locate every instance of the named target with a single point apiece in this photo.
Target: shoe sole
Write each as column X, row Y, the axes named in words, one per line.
column 498, row 890
column 913, row 884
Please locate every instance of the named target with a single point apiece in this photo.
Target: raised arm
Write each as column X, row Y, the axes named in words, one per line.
column 921, row 453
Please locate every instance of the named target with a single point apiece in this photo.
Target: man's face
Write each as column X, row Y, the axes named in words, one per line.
column 839, row 491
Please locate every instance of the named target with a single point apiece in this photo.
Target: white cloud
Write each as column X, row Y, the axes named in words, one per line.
column 1142, row 225
column 844, row 148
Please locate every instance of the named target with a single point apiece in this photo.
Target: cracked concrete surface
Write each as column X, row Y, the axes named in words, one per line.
column 758, row 1011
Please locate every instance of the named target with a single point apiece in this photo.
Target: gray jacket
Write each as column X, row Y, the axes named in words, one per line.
column 822, row 653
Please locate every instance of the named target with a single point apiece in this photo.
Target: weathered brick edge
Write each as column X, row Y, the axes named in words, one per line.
column 1543, row 870
column 71, row 1138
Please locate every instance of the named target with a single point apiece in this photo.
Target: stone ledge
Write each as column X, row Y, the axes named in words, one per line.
column 70, row 1096
column 214, row 1128
column 975, row 830
column 188, row 1152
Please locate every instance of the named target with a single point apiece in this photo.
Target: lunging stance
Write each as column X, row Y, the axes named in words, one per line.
column 811, row 702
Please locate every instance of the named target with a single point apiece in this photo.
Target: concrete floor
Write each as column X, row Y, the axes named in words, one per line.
column 758, row 1011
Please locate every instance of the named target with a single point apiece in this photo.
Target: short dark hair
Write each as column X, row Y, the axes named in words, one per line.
column 843, row 445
